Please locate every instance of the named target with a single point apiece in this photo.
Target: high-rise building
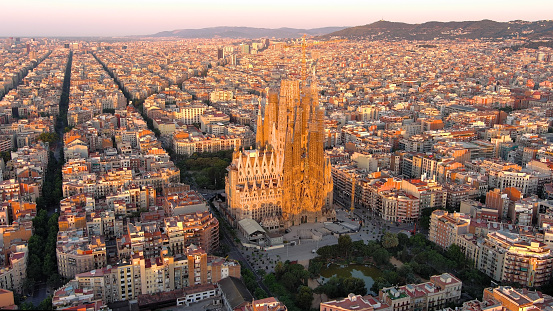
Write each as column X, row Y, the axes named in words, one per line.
column 220, row 53
column 287, row 178
column 499, row 201
column 505, row 257
column 245, row 48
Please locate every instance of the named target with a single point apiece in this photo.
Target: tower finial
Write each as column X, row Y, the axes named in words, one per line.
column 303, row 60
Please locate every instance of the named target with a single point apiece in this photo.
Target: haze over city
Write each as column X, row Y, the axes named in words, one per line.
column 281, row 156
column 125, row 17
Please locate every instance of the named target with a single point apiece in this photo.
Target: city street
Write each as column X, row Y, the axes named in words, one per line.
column 39, row 294
column 236, row 254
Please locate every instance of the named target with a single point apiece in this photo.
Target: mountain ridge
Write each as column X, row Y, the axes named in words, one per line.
column 448, row 30
column 245, row 32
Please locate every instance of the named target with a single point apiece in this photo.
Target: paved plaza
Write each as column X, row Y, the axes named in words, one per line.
column 298, row 248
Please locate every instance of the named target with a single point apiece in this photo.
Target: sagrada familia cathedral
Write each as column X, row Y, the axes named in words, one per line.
column 286, row 180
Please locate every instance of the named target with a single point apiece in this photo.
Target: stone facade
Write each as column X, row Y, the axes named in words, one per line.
column 287, row 176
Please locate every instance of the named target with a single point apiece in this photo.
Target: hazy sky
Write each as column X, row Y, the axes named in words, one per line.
column 139, row 17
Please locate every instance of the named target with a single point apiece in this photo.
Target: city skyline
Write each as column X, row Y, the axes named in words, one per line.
column 415, row 162
column 126, row 18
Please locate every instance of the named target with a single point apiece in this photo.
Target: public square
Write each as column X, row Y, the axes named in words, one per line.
column 297, row 248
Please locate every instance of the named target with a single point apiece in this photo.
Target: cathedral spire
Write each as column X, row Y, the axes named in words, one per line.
column 260, row 136
column 297, row 181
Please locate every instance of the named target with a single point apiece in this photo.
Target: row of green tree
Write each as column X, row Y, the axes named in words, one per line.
column 52, row 191
column 207, row 170
column 137, row 103
column 48, row 137
column 45, row 304
column 42, row 265
column 110, row 73
column 251, row 283
column 42, row 262
column 61, row 120
column 34, row 64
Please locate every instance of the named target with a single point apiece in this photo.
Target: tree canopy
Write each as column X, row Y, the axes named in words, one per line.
column 420, row 257
column 289, row 284
column 48, row 137
column 389, row 240
column 337, row 287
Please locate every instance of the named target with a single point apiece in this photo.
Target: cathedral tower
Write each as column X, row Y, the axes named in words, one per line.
column 287, row 179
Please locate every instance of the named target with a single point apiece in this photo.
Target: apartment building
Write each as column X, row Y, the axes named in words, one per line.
column 6, row 300
column 189, row 143
column 76, row 252
column 221, row 95
column 499, row 201
column 528, row 263
column 14, row 274
column 456, row 193
column 510, row 299
column 19, row 231
column 434, row 295
column 429, row 192
column 399, row 206
column 446, row 227
column 191, row 113
column 416, row 143
column 345, row 178
column 70, row 296
column 521, row 213
column 369, row 112
column 201, row 229
column 214, row 122
column 108, row 183
column 354, row 302
column 492, row 253
column 526, row 183
column 470, row 246
column 155, row 275
column 141, row 196
column 506, row 257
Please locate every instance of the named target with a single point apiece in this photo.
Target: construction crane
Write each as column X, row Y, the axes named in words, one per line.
column 304, row 46
column 352, row 206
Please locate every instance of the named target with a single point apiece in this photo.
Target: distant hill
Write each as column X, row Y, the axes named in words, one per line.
column 245, row 32
column 448, row 30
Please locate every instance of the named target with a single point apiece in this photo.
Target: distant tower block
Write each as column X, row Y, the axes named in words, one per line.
column 287, row 179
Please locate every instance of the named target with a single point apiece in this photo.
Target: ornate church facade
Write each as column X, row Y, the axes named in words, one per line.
column 286, row 180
